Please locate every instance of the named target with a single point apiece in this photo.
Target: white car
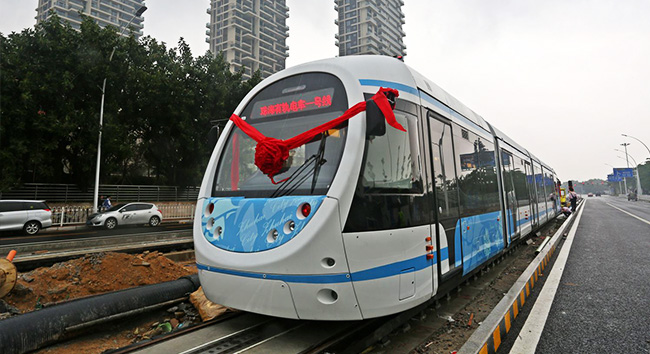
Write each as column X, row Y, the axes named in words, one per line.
column 127, row 214
column 28, row 215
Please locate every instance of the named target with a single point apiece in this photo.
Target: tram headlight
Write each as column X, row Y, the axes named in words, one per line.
column 289, row 227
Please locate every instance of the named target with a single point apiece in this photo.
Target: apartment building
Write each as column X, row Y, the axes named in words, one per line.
column 370, row 27
column 116, row 13
column 251, row 34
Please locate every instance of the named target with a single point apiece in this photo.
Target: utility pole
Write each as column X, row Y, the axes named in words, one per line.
column 138, row 13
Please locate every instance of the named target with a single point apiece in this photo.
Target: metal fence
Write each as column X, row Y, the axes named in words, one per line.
column 68, row 193
column 71, row 214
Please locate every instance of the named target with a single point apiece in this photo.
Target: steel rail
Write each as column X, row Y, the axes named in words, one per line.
column 29, row 257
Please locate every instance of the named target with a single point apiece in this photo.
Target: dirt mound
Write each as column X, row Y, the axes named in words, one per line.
column 91, row 275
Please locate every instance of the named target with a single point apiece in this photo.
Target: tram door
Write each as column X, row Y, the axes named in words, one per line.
column 446, row 190
column 512, row 223
column 530, row 178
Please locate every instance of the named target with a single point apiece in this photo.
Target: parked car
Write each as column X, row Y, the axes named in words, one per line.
column 126, row 214
column 28, row 215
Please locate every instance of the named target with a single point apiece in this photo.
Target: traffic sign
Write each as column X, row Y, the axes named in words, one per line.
column 614, row 178
column 624, row 172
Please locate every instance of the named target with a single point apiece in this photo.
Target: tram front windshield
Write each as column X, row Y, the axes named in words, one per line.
column 283, row 110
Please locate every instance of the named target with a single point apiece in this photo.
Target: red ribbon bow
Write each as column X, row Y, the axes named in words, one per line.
column 271, row 153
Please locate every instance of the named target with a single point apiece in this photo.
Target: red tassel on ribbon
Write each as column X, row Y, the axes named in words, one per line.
column 271, row 153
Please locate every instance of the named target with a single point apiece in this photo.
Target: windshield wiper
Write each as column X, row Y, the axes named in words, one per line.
column 292, row 182
column 298, row 177
column 320, row 160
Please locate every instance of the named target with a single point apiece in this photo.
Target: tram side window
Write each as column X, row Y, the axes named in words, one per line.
column 530, row 182
column 444, row 170
column 519, row 177
column 540, row 187
column 477, row 180
column 507, row 162
column 389, row 193
column 392, row 160
column 490, row 183
column 550, row 190
column 546, row 189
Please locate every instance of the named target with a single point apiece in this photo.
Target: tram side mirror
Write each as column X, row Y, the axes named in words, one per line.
column 375, row 121
column 213, row 136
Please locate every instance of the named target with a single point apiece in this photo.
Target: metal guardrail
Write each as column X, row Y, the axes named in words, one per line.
column 70, row 214
column 67, row 193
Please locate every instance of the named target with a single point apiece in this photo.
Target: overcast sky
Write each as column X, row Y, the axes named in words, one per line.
column 562, row 78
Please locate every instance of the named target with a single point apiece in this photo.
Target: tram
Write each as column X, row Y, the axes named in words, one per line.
column 321, row 203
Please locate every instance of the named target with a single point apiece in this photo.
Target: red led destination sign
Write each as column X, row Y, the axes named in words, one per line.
column 295, row 103
column 295, row 106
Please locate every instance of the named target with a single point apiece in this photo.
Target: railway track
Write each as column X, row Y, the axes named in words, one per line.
column 38, row 254
column 252, row 333
column 244, row 332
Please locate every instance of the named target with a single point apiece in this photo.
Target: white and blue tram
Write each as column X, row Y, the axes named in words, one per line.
column 366, row 220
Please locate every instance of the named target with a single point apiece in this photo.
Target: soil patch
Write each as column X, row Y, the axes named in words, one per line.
column 100, row 273
column 90, row 275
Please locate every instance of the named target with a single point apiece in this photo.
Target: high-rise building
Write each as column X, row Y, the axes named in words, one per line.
column 370, row 27
column 116, row 13
column 251, row 34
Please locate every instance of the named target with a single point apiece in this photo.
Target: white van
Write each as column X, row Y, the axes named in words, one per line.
column 28, row 215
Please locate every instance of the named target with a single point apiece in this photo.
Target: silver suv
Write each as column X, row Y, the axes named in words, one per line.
column 28, row 215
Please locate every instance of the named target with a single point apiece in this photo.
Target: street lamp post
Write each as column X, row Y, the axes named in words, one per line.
column 646, row 146
column 138, row 13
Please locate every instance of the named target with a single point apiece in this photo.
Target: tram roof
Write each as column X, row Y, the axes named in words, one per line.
column 396, row 72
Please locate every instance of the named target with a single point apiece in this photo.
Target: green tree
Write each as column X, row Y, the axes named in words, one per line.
column 158, row 109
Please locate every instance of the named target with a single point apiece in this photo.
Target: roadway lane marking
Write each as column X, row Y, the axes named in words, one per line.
column 630, row 214
column 531, row 332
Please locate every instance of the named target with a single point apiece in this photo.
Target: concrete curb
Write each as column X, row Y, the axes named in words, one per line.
column 56, row 228
column 487, row 338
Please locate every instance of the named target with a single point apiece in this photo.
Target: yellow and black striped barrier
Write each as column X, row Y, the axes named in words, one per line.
column 488, row 337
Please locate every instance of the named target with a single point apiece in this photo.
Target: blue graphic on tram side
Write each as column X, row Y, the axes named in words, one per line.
column 482, row 240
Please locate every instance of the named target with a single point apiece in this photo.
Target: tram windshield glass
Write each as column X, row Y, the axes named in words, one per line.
column 283, row 110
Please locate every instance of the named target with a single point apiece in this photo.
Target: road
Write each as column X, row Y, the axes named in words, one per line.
column 9, row 238
column 601, row 303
